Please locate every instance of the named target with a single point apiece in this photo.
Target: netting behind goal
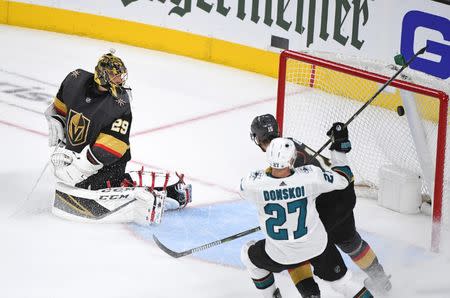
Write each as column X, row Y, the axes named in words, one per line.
column 314, row 92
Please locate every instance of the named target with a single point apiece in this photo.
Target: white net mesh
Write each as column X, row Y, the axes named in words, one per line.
column 317, row 96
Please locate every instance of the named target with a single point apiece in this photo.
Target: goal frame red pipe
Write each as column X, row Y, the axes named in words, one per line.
column 442, row 123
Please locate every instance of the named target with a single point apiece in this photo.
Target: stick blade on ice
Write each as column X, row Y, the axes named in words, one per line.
column 167, row 250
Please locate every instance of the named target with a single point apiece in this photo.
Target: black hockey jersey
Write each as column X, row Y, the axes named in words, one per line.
column 334, row 207
column 94, row 118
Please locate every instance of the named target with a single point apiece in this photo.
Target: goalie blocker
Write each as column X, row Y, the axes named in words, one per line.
column 139, row 204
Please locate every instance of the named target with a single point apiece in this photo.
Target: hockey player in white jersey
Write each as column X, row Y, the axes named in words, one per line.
column 335, row 210
column 285, row 200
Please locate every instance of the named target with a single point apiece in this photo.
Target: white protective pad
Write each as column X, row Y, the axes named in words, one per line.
column 109, row 205
column 55, row 128
column 71, row 167
column 149, row 206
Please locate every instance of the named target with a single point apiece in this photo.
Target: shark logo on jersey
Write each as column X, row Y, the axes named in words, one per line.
column 304, row 169
column 256, row 175
column 77, row 128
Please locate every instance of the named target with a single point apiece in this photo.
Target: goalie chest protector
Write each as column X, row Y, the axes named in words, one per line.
column 90, row 111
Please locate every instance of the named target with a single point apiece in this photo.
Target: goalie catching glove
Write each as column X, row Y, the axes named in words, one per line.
column 339, row 138
column 71, row 167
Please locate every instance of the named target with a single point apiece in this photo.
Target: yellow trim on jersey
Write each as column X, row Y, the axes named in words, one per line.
column 111, row 144
column 60, row 106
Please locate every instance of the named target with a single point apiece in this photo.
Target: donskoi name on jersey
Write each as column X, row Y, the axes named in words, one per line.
column 284, row 193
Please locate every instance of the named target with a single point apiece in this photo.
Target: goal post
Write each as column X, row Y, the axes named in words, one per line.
column 405, row 126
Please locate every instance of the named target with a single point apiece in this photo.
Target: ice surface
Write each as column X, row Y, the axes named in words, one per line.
column 189, row 116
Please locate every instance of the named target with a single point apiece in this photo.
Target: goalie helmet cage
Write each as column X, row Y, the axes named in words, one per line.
column 314, row 92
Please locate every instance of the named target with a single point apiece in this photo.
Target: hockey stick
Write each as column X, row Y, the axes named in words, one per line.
column 32, row 190
column 180, row 254
column 420, row 52
column 35, row 184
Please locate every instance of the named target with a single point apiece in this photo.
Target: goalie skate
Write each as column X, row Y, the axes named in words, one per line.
column 184, row 195
column 179, row 194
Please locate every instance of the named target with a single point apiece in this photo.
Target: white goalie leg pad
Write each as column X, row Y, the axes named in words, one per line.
column 149, row 206
column 346, row 285
column 262, row 278
column 109, row 205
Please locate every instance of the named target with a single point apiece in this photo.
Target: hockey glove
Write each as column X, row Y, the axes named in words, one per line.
column 72, row 168
column 149, row 206
column 56, row 125
column 339, row 138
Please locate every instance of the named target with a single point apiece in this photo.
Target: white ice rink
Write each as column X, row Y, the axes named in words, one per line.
column 188, row 116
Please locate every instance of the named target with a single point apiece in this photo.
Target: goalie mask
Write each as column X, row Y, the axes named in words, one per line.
column 281, row 153
column 264, row 128
column 110, row 73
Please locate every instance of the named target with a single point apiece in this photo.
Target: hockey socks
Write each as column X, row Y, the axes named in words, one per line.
column 364, row 293
column 267, row 286
column 361, row 253
column 304, row 281
column 363, row 256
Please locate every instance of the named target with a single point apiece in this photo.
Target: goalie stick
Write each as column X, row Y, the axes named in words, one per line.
column 24, row 202
column 420, row 52
column 180, row 254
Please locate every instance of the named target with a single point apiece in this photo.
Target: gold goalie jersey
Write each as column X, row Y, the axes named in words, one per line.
column 94, row 118
column 287, row 209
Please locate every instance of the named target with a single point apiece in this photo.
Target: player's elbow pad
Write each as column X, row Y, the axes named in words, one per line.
column 345, row 172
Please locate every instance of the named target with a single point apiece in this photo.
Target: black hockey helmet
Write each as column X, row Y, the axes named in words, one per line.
column 264, row 128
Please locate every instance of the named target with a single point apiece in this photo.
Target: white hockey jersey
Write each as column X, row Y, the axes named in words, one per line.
column 287, row 210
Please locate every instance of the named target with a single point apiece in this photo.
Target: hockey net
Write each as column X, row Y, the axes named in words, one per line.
column 315, row 91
